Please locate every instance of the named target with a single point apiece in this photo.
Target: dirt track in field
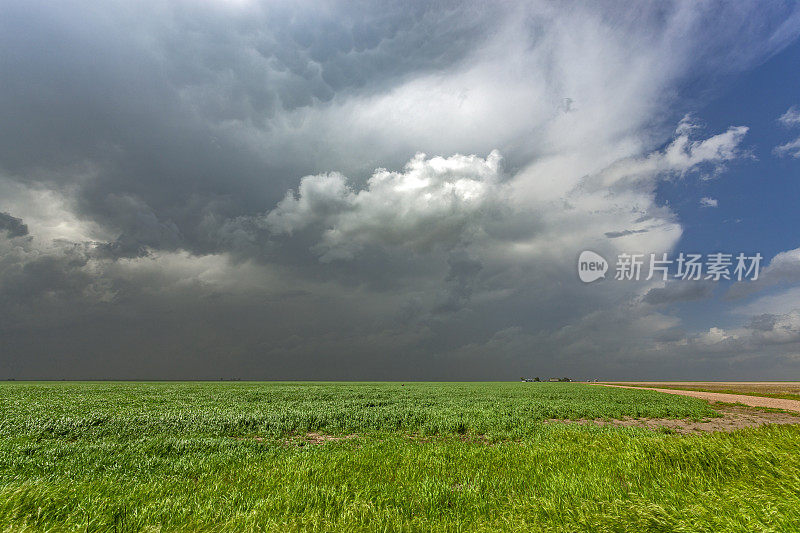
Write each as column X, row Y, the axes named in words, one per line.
column 752, row 401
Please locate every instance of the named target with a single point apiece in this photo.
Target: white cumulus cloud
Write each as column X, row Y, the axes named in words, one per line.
column 792, row 148
column 708, row 202
column 433, row 202
column 791, row 117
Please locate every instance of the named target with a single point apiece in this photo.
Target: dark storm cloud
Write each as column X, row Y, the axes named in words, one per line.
column 152, row 96
column 154, row 99
column 783, row 269
column 679, row 291
column 623, row 233
column 156, row 156
column 13, row 226
column 54, row 275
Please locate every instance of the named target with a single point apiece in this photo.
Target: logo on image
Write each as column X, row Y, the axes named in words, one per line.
column 591, row 266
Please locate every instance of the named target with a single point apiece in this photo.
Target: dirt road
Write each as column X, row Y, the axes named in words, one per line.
column 753, row 401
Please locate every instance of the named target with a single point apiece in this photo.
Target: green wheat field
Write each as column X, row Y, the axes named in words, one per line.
column 247, row 456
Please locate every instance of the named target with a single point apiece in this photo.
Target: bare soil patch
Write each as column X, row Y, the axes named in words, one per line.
column 317, row 439
column 733, row 417
column 322, row 438
column 308, row 438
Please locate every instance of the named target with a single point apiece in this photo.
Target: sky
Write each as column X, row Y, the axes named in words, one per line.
column 396, row 190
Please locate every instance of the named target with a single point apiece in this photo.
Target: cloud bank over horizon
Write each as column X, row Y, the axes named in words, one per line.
column 374, row 191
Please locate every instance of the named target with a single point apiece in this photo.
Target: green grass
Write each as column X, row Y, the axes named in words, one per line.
column 277, row 409
column 178, row 457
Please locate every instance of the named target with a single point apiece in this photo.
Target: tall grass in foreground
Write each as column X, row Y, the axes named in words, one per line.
column 560, row 479
column 70, row 461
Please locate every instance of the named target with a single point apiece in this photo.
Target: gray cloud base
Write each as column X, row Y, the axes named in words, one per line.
column 235, row 189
